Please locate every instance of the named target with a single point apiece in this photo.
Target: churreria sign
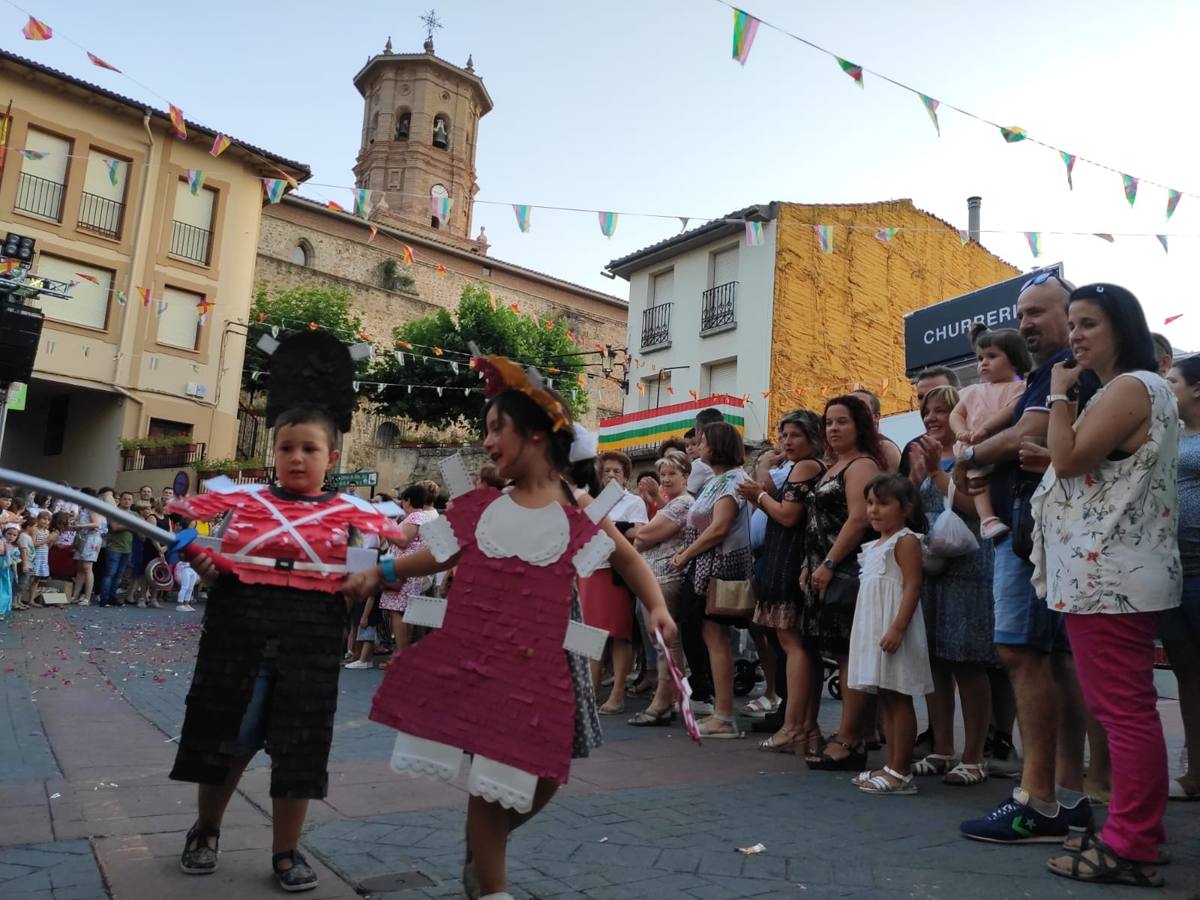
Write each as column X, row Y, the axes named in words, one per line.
column 938, row 334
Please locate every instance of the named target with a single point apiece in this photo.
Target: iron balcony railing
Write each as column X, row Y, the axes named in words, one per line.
column 190, row 242
column 719, row 307
column 39, row 196
column 162, row 457
column 101, row 215
column 656, row 326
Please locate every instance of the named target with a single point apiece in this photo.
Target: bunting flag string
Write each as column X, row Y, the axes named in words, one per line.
column 195, row 180
column 1172, row 201
column 1035, row 242
column 177, row 123
column 522, row 213
column 931, row 107
column 964, row 236
column 745, row 28
column 754, row 234
column 886, row 234
column 854, row 70
column 1130, row 185
column 1069, row 161
column 219, row 145
column 824, row 237
column 335, row 206
column 114, row 169
column 121, row 298
column 97, row 61
column 1104, row 236
column 36, row 30
column 1013, row 133
column 1170, row 319
column 86, row 277
column 273, row 188
column 374, row 234
column 362, row 202
column 144, row 296
column 160, row 308
column 1162, row 239
column 608, row 223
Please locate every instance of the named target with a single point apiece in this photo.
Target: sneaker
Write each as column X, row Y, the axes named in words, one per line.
column 185, row 607
column 1015, row 822
column 1080, row 817
column 297, row 877
column 992, row 528
column 359, row 664
column 200, row 859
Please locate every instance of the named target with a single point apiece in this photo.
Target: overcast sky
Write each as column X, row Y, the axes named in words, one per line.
column 637, row 107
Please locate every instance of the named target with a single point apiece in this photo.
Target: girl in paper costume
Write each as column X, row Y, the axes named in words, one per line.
column 267, row 667
column 521, row 705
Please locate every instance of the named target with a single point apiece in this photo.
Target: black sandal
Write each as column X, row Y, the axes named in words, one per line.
column 853, row 761
column 299, row 876
column 647, row 718
column 201, row 859
column 1107, row 868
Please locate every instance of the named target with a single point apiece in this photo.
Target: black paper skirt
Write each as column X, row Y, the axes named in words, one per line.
column 296, row 638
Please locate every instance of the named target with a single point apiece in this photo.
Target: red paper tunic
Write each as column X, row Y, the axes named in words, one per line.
column 266, row 523
column 493, row 680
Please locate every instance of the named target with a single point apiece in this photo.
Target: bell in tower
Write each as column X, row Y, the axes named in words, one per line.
column 420, row 124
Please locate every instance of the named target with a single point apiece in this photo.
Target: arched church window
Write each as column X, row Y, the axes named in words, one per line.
column 374, row 128
column 441, row 131
column 403, row 123
column 387, row 435
column 302, row 253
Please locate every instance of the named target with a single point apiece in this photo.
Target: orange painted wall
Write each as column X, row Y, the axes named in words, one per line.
column 838, row 317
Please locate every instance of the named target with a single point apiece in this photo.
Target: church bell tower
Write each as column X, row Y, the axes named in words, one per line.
column 420, row 129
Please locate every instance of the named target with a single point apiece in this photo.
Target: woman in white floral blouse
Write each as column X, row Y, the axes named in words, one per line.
column 1105, row 553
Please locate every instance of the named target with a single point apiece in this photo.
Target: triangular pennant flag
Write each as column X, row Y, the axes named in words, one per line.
column 491, row 299
column 86, row 277
column 522, row 214
column 362, row 201
column 854, row 70
column 608, row 223
column 121, row 298
column 177, row 124
column 274, row 331
column 441, row 270
column 454, row 367
column 766, row 394
column 824, row 237
column 1162, row 239
column 220, row 145
column 549, row 325
column 97, row 61
column 693, row 395
column 144, row 296
column 964, row 236
column 291, row 182
column 439, row 390
column 670, row 390
column 1105, row 237
column 683, row 222
column 374, row 234
column 153, row 362
column 34, row 154
column 745, row 27
column 438, row 351
column 1069, row 161
column 1171, row 319
column 886, row 234
column 406, row 255
column 36, row 30
column 641, row 388
column 931, row 107
column 466, row 392
column 335, row 206
column 1130, row 184
column 114, row 169
column 355, row 384
column 754, row 234
column 274, row 188
column 405, row 344
column 515, row 308
column 195, row 180
column 1035, row 242
column 87, row 350
column 379, row 388
column 1013, row 134
column 160, row 308
column 399, row 357
column 313, row 326
column 1173, row 197
column 409, row 391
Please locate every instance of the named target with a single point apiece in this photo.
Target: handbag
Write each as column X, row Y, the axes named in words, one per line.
column 949, row 536
column 842, row 591
column 731, row 597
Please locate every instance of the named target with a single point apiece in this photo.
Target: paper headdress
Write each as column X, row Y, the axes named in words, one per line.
column 502, row 374
column 312, row 368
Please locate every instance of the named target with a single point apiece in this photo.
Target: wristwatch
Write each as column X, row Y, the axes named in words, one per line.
column 1051, row 399
column 828, row 563
column 968, row 454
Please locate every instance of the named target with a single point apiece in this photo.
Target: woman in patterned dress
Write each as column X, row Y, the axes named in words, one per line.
column 1106, row 554
column 413, row 501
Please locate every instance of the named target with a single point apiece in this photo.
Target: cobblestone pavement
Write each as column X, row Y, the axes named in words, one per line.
column 92, row 702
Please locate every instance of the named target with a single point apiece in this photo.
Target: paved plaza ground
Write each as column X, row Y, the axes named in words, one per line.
column 91, row 703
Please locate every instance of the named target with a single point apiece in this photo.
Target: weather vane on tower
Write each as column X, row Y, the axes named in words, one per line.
column 431, row 22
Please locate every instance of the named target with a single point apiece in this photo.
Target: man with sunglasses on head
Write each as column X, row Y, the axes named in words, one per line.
column 1029, row 637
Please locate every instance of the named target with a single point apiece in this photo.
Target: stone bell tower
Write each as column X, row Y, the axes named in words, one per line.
column 420, row 130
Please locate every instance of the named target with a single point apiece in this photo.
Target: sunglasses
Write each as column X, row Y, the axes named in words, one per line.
column 1042, row 277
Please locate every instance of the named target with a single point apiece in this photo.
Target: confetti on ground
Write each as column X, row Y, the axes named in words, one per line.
column 750, row 851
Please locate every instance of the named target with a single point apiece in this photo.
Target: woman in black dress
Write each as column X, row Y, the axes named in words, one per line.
column 778, row 587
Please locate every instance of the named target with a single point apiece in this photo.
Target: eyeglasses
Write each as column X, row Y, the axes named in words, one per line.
column 1042, row 277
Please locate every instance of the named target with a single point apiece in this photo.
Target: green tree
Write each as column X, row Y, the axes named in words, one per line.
column 291, row 309
column 499, row 330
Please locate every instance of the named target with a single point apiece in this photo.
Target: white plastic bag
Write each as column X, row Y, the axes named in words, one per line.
column 949, row 536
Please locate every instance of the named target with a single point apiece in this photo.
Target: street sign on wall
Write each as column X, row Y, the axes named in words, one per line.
column 353, row 479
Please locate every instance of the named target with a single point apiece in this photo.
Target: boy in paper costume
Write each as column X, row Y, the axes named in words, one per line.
column 521, row 704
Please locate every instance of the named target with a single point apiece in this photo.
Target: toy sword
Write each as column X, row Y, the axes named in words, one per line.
column 183, row 544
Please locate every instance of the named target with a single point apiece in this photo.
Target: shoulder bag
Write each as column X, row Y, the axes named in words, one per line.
column 734, row 597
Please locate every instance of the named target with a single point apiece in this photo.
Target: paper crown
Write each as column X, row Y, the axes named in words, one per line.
column 312, row 368
column 502, row 374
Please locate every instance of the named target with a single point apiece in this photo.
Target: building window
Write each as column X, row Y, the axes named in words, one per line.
column 403, row 124
column 387, row 435
column 374, row 128
column 88, row 305
column 720, row 378
column 191, row 231
column 43, row 181
column 396, row 180
column 179, row 324
column 56, row 425
column 102, row 203
column 441, row 131
column 302, row 254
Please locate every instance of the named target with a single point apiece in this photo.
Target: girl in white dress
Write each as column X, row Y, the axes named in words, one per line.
column 888, row 650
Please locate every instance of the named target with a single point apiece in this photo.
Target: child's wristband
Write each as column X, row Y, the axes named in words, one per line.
column 387, row 566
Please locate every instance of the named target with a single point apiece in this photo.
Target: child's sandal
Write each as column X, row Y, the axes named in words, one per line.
column 200, row 859
column 299, row 876
column 934, row 764
column 966, row 775
column 880, row 784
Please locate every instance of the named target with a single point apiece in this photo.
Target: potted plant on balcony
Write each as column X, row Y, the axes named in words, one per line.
column 167, row 451
column 211, row 468
column 131, row 446
column 254, row 469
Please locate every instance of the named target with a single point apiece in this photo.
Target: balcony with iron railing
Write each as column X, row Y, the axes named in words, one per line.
column 39, row 196
column 190, row 242
column 718, row 309
column 656, row 327
column 173, row 457
column 100, row 215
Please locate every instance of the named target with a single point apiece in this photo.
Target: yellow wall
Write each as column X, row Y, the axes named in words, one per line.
column 838, row 317
column 123, row 359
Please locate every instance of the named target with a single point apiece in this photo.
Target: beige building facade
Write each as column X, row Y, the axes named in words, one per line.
column 105, row 195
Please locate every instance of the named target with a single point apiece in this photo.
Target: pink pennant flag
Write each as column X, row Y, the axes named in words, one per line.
column 220, row 145
column 1171, row 319
column 36, row 30
column 177, row 124
column 97, row 61
column 745, row 27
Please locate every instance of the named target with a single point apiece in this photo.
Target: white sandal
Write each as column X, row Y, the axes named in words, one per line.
column 966, row 774
column 878, row 784
column 934, row 764
column 759, row 708
column 713, row 728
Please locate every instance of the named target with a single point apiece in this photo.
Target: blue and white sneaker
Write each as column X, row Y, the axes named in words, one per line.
column 1080, row 817
column 1016, row 822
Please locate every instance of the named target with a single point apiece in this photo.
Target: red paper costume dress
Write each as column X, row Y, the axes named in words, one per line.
column 493, row 681
column 277, row 618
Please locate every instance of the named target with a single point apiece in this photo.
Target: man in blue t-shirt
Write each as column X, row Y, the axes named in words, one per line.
column 1028, row 635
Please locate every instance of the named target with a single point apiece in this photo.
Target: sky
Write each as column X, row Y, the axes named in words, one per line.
column 637, row 107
